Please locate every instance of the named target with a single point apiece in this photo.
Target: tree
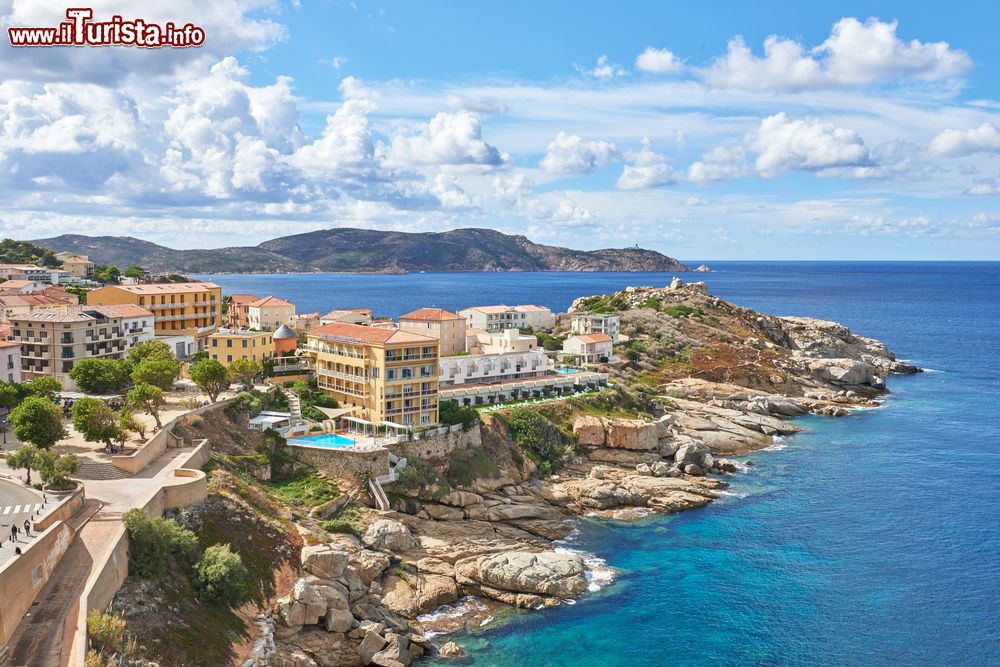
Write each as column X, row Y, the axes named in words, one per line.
column 198, row 356
column 45, row 386
column 211, row 377
column 38, row 421
column 100, row 375
column 245, row 370
column 24, row 458
column 154, row 541
column 219, row 575
column 95, row 420
column 148, row 398
column 149, row 348
column 55, row 469
column 10, row 395
column 128, row 423
column 134, row 272
column 157, row 370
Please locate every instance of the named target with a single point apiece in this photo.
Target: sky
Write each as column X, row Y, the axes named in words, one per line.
column 708, row 130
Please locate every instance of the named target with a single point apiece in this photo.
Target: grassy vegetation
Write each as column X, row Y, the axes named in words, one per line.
column 303, row 489
column 347, row 520
column 539, row 438
column 421, row 476
column 679, row 310
column 470, row 464
column 652, row 302
column 604, row 304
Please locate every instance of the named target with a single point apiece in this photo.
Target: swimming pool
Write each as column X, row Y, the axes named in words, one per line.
column 328, row 440
column 567, row 371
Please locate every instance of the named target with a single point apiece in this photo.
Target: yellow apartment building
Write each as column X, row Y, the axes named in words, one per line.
column 387, row 375
column 178, row 308
column 226, row 346
column 446, row 326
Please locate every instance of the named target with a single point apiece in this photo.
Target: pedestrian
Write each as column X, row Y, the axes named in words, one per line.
column 13, row 533
column 17, row 551
column 27, row 528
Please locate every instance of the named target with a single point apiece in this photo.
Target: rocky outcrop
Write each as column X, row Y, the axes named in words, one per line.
column 524, row 579
column 389, row 534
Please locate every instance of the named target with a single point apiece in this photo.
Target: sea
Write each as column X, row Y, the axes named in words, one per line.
column 865, row 540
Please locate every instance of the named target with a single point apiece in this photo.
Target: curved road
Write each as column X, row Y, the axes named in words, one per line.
column 15, row 493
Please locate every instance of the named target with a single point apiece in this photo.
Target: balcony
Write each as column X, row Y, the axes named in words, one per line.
column 162, row 306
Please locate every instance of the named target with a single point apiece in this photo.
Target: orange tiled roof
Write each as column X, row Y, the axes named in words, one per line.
column 243, row 298
column 431, row 314
column 167, row 288
column 122, row 310
column 373, row 335
column 594, row 338
column 269, row 301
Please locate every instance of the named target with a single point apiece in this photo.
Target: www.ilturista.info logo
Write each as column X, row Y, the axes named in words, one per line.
column 80, row 30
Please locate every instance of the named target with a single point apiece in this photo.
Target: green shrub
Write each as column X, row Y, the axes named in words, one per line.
column 540, row 439
column 220, row 577
column 245, row 403
column 451, row 413
column 105, row 631
column 154, row 542
column 470, row 465
column 652, row 302
column 680, row 310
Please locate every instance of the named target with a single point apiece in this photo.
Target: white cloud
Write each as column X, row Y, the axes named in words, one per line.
column 450, row 138
column 338, row 62
column 658, row 61
column 984, row 188
column 720, row 163
column 569, row 154
column 648, row 169
column 602, row 70
column 956, row 143
column 855, row 53
column 784, row 144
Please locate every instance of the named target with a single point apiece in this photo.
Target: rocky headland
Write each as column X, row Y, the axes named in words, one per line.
column 699, row 380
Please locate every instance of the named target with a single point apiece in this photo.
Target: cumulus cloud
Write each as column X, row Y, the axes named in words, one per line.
column 855, row 53
column 570, row 154
column 956, row 143
column 783, row 144
column 658, row 61
column 602, row 70
column 984, row 188
column 450, row 138
column 720, row 163
column 647, row 169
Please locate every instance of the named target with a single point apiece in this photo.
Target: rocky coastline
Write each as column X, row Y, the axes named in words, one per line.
column 494, row 542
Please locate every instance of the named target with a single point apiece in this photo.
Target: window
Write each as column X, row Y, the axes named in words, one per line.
column 229, row 342
column 229, row 358
column 244, row 341
column 215, row 342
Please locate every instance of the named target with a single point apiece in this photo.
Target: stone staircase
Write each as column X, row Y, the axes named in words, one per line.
column 98, row 470
column 294, row 404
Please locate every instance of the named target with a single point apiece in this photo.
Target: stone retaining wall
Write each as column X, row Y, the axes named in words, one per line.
column 344, row 463
column 439, row 446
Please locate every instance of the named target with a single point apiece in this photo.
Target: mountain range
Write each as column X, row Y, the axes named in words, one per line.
column 350, row 250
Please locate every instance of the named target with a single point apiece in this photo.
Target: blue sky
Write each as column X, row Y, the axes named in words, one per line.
column 705, row 130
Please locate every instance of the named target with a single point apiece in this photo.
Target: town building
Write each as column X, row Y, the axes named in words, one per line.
column 228, row 345
column 53, row 340
column 29, row 272
column 21, row 287
column 237, row 316
column 14, row 305
column 183, row 346
column 137, row 323
column 589, row 348
column 305, row 321
column 603, row 323
column 479, row 341
column 10, row 361
column 498, row 318
column 446, row 326
column 79, row 266
column 178, row 308
column 386, row 375
column 493, row 368
column 269, row 313
column 347, row 316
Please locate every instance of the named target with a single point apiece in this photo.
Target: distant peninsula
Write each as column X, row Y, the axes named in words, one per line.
column 348, row 250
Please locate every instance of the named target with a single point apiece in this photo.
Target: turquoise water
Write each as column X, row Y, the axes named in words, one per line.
column 867, row 540
column 567, row 371
column 328, row 440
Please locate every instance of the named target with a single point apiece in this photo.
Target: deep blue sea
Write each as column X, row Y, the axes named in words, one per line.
column 867, row 540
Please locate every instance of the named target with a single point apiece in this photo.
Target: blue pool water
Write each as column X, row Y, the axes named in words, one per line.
column 328, row 440
column 567, row 371
column 867, row 540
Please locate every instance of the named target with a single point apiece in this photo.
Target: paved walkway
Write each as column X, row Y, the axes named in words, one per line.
column 19, row 503
column 45, row 635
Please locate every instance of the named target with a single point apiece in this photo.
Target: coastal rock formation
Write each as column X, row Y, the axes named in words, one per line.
column 523, row 578
column 388, row 534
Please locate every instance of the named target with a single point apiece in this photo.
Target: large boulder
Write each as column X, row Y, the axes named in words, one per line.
column 324, row 561
column 549, row 573
column 461, row 498
column 395, row 654
column 843, row 371
column 691, row 453
column 418, row 593
column 589, row 430
column 632, row 434
column 318, row 595
column 389, row 534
